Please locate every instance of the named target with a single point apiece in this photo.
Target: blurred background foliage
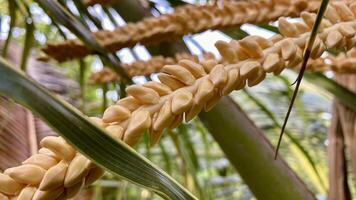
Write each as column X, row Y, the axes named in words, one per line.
column 189, row 153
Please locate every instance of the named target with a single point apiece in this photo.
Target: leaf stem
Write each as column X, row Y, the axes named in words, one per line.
column 306, row 57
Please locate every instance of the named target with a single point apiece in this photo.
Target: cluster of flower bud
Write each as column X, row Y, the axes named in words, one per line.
column 58, row 171
column 143, row 68
column 343, row 63
column 185, row 20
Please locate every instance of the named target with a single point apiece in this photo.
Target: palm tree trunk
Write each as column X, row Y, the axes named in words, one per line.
column 338, row 185
column 348, row 120
column 342, row 137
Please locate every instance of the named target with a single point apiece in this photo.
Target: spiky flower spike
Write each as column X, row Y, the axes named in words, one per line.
column 106, row 75
column 58, row 171
column 144, row 68
column 313, row 22
column 185, row 20
column 343, row 63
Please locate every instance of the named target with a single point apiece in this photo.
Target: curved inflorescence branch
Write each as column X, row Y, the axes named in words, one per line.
column 144, row 68
column 106, row 75
column 186, row 88
column 343, row 63
column 185, row 20
column 337, row 31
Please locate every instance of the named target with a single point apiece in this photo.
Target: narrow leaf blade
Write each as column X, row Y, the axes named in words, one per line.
column 306, row 57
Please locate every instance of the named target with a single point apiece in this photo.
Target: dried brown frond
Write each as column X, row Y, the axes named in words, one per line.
column 341, row 134
column 185, row 20
column 19, row 128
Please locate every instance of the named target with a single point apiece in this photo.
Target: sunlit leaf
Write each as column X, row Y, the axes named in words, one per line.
column 296, row 147
column 344, row 95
